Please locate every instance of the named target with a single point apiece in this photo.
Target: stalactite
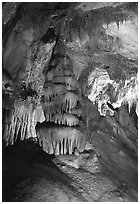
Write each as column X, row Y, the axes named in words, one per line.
column 61, row 146
column 61, row 96
column 17, row 129
column 57, row 149
column 22, row 121
column 72, row 99
column 24, row 130
column 62, row 140
column 70, row 146
column 53, row 91
column 65, row 146
column 51, row 151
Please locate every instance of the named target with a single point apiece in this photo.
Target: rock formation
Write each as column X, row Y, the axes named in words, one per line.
column 69, row 77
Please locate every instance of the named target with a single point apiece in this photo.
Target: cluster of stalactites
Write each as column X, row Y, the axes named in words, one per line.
column 61, row 140
column 63, row 119
column 61, row 93
column 20, row 124
column 60, row 102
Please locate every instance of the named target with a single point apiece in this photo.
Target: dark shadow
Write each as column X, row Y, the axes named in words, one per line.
column 26, row 161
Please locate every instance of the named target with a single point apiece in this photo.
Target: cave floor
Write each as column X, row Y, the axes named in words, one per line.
column 37, row 177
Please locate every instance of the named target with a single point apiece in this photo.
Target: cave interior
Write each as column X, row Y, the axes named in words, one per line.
column 70, row 101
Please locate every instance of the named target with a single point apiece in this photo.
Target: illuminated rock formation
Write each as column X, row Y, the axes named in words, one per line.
column 61, row 103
